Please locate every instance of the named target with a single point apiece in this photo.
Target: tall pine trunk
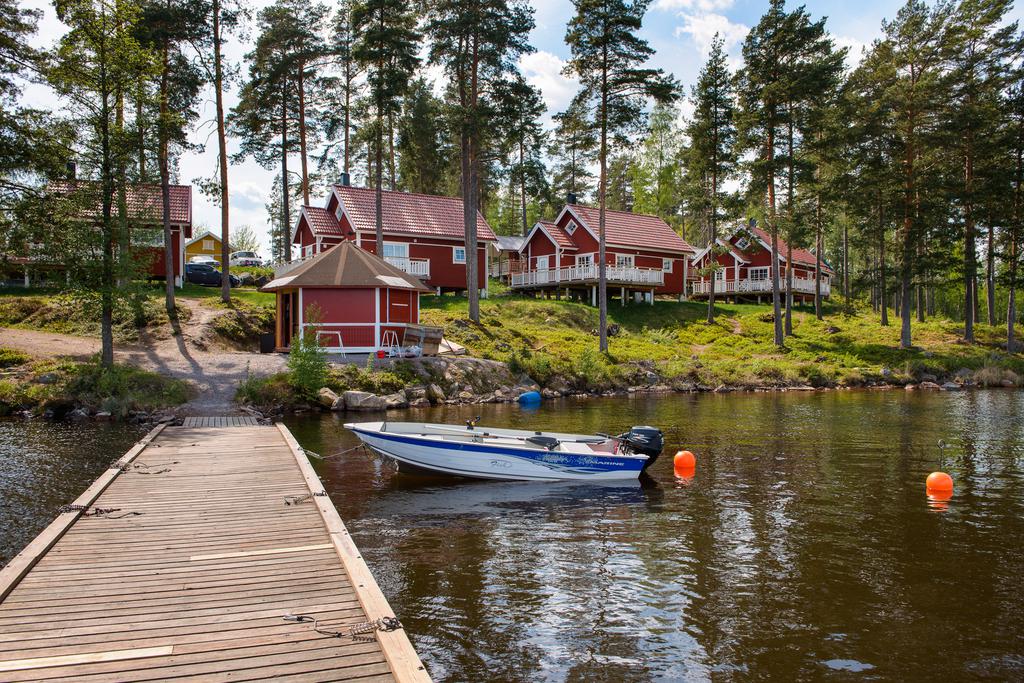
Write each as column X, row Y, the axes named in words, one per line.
column 222, row 149
column 165, row 180
column 990, row 276
column 791, row 221
column 713, row 236
column 602, row 200
column 522, row 188
column 379, row 177
column 302, row 133
column 881, row 269
column 107, row 200
column 286, row 242
column 970, row 266
column 774, row 228
column 817, row 257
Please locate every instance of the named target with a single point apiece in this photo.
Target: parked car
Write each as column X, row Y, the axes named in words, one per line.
column 205, row 274
column 203, row 258
column 245, row 258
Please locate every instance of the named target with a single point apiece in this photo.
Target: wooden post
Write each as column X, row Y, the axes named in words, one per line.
column 623, row 296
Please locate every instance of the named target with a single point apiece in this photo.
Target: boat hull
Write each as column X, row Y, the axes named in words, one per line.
column 483, row 461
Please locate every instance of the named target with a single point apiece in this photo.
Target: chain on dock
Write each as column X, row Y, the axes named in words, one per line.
column 361, row 632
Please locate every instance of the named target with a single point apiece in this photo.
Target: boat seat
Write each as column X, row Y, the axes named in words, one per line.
column 548, row 442
column 574, row 447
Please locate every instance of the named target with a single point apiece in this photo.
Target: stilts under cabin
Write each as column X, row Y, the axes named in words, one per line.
column 352, row 300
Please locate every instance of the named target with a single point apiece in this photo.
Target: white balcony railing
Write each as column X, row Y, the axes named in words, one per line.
column 283, row 268
column 420, row 267
column 800, row 285
column 619, row 275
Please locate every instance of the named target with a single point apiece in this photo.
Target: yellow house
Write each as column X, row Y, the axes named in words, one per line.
column 203, row 244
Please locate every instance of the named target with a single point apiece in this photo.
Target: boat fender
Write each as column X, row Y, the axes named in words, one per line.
column 530, row 398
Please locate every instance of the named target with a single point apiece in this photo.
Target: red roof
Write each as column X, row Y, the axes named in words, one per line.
column 321, row 221
column 635, row 230
column 346, row 266
column 561, row 237
column 409, row 213
column 801, row 256
column 145, row 200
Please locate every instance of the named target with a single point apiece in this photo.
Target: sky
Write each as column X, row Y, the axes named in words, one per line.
column 680, row 31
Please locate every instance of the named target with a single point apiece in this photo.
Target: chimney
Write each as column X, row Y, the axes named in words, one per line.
column 345, row 179
column 72, row 170
column 571, row 198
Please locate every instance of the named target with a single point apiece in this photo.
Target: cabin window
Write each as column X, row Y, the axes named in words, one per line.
column 720, row 275
column 207, row 245
column 396, row 250
column 624, row 260
column 758, row 274
column 584, row 259
column 542, row 263
column 742, row 243
column 666, row 265
column 146, row 237
column 338, row 211
column 571, row 227
column 458, row 254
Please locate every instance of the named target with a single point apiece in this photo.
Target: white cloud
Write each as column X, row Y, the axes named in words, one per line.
column 703, row 27
column 543, row 70
column 855, row 49
column 699, row 5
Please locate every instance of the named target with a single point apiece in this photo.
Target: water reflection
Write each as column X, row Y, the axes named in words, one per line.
column 803, row 545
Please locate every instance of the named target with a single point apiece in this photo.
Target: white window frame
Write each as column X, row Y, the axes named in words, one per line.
column 571, row 227
column 404, row 245
column 584, row 259
column 763, row 273
column 455, row 254
column 547, row 262
column 720, row 275
column 742, row 243
column 309, row 250
column 339, row 211
column 208, row 243
column 625, row 261
column 667, row 264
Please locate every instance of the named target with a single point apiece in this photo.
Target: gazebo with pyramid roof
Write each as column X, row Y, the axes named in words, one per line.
column 354, row 301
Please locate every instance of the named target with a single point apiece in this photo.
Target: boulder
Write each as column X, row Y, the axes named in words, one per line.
column 930, row 385
column 339, row 404
column 412, row 393
column 722, row 389
column 78, row 414
column 103, row 416
column 395, row 400
column 951, row 386
column 1008, row 383
column 363, row 400
column 466, row 396
column 47, row 378
column 549, row 393
column 964, row 373
column 435, row 394
column 928, row 377
column 326, row 397
column 911, row 387
column 419, row 402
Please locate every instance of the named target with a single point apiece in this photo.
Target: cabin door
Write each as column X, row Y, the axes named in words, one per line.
column 286, row 320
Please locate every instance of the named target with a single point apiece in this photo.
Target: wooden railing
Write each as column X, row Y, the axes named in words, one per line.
column 420, row 267
column 653, row 277
column 800, row 285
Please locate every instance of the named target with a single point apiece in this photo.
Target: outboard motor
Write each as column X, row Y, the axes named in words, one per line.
column 647, row 441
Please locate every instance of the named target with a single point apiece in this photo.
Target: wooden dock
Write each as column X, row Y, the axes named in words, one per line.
column 191, row 558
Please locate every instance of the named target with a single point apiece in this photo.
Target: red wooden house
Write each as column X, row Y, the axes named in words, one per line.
column 643, row 255
column 423, row 234
column 351, row 300
column 744, row 268
column 145, row 218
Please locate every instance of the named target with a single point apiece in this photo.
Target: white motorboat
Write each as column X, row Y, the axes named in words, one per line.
column 494, row 453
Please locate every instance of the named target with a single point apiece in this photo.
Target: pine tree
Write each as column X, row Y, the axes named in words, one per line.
column 385, row 46
column 521, row 107
column 607, row 55
column 478, row 43
column 423, row 149
column 344, row 90
column 573, row 149
column 658, row 167
column 711, row 156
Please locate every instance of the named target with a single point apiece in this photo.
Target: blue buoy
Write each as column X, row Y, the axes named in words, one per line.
column 529, row 398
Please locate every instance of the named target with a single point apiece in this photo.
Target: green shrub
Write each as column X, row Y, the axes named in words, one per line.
column 307, row 363
column 122, row 387
column 267, row 392
column 9, row 358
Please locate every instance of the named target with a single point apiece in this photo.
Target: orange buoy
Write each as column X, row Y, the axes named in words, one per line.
column 684, row 460
column 939, row 482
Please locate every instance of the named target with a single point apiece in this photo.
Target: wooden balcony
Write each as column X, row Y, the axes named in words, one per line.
column 740, row 287
column 420, row 267
column 587, row 274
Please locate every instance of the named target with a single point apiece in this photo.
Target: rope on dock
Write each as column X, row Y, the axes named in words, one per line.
column 295, row 500
column 317, row 456
column 360, row 632
column 95, row 512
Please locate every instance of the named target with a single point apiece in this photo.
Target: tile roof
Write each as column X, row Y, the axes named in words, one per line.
column 801, row 256
column 635, row 230
column 560, row 236
column 410, row 213
column 321, row 221
column 346, row 266
column 145, row 201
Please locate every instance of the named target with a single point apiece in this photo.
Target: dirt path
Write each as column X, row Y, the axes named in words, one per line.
column 215, row 373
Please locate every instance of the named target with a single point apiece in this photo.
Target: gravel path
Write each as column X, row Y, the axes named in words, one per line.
column 215, row 373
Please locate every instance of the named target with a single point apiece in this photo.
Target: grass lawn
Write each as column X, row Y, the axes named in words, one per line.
column 554, row 340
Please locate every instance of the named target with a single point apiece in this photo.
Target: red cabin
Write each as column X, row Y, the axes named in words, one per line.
column 744, row 268
column 643, row 255
column 423, row 234
column 353, row 301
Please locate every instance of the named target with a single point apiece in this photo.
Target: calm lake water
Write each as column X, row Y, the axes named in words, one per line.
column 804, row 548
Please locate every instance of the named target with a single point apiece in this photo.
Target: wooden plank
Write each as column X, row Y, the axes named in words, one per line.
column 11, row 574
column 404, row 661
column 66, row 660
column 272, row 551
